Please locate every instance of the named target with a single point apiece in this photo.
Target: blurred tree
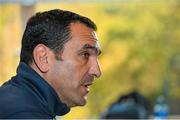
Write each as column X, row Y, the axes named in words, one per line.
column 151, row 32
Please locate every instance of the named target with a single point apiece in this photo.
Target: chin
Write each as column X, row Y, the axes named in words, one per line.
column 79, row 104
column 79, row 101
column 82, row 102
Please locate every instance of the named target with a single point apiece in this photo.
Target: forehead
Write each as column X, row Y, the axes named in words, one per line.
column 80, row 33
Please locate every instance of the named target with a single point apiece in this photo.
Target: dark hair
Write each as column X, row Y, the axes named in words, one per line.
column 50, row 28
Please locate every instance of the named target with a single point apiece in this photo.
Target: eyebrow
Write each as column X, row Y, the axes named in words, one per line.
column 88, row 46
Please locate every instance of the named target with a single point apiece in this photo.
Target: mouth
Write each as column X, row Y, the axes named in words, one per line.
column 87, row 86
column 86, row 83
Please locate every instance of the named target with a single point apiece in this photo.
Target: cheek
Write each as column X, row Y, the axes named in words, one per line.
column 68, row 73
column 74, row 69
column 63, row 73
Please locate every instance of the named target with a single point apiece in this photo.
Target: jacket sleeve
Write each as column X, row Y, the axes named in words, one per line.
column 29, row 115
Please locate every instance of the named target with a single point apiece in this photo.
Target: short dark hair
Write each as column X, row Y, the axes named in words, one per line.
column 50, row 28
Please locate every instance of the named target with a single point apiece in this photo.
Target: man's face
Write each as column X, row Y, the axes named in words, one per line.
column 72, row 76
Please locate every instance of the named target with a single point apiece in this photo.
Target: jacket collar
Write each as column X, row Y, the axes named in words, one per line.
column 42, row 90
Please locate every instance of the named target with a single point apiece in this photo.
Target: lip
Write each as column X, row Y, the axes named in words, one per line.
column 87, row 85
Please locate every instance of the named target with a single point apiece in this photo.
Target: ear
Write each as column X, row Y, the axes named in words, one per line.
column 40, row 55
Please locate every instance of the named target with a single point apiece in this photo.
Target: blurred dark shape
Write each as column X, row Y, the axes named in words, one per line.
column 130, row 106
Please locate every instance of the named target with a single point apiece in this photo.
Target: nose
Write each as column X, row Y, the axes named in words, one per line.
column 95, row 69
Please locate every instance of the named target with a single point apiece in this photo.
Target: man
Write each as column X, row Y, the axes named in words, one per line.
column 58, row 63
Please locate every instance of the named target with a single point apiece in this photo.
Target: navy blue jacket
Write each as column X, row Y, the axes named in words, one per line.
column 28, row 95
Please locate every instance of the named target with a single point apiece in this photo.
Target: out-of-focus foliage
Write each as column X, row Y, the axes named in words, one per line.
column 10, row 29
column 140, row 44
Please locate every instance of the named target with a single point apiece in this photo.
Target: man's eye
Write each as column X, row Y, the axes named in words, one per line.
column 86, row 55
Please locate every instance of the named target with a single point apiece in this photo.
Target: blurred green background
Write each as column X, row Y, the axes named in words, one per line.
column 140, row 40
